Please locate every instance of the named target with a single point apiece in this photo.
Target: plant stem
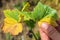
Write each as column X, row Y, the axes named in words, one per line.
column 34, row 35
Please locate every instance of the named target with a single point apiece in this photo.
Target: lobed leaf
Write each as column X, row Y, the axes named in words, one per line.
column 12, row 14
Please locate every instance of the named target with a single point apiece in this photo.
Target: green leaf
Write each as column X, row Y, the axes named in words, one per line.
column 12, row 14
column 53, row 14
column 30, row 24
column 27, row 15
column 38, row 12
column 47, row 10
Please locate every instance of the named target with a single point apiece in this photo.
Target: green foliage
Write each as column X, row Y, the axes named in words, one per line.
column 18, row 6
column 40, row 11
column 30, row 24
column 27, row 15
column 38, row 35
column 8, row 36
column 12, row 14
column 31, row 17
column 26, row 7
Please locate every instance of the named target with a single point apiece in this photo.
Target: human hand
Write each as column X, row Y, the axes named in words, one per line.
column 47, row 32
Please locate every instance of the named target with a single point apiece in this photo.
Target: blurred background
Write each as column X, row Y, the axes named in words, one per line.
column 11, row 4
column 5, row 4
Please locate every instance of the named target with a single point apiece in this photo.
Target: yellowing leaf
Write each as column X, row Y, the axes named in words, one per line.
column 17, row 29
column 12, row 29
column 11, row 25
column 5, row 27
column 10, row 20
column 48, row 19
column 12, row 14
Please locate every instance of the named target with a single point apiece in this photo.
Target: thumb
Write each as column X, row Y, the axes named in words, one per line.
column 43, row 35
column 50, row 31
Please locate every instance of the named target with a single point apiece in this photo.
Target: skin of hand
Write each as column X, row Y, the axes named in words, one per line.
column 47, row 32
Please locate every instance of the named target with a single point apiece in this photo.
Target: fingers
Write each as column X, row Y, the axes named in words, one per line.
column 58, row 27
column 43, row 35
column 58, row 21
column 50, row 31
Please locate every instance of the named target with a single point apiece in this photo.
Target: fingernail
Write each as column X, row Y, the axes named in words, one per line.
column 45, row 26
